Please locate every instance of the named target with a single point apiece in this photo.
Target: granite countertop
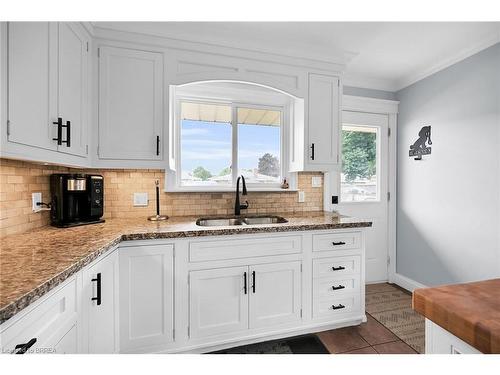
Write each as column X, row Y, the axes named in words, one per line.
column 33, row 263
column 469, row 311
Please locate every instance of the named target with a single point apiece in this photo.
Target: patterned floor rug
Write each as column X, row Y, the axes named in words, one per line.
column 392, row 307
column 306, row 344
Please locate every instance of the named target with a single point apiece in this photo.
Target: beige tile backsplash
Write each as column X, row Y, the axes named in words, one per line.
column 19, row 179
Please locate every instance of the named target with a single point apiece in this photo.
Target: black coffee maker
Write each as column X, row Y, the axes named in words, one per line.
column 77, row 199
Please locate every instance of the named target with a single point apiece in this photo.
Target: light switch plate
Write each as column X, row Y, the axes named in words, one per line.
column 302, row 196
column 36, row 198
column 316, row 181
column 141, row 199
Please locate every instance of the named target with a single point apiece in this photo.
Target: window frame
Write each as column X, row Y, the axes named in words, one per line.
column 176, row 175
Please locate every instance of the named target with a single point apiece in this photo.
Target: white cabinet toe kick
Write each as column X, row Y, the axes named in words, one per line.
column 200, row 294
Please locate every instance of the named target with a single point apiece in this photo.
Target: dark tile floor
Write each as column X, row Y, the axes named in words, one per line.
column 368, row 338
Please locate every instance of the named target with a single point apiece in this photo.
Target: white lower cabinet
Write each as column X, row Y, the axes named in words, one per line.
column 68, row 344
column 146, row 297
column 236, row 299
column 191, row 295
column 275, row 295
column 100, row 304
column 48, row 326
column 218, row 301
column 440, row 341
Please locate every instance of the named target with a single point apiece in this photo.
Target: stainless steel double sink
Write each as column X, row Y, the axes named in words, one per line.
column 244, row 220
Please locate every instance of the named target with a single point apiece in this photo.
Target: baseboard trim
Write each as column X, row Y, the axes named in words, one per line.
column 406, row 283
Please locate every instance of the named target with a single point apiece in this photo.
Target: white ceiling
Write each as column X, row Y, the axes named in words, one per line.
column 379, row 55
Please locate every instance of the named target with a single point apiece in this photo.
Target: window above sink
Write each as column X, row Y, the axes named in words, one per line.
column 222, row 130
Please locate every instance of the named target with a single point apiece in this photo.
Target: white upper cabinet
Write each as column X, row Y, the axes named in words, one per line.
column 133, row 109
column 323, row 121
column 315, row 127
column 30, row 103
column 130, row 104
column 47, row 75
column 73, row 87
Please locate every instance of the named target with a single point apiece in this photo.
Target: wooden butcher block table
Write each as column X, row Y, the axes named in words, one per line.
column 469, row 311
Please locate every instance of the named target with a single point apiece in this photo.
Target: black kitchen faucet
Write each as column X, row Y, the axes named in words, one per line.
column 237, row 206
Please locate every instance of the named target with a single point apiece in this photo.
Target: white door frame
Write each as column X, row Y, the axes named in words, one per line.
column 389, row 108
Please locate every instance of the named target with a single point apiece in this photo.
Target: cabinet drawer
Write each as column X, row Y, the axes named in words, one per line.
column 336, row 267
column 333, row 287
column 326, row 307
column 244, row 248
column 336, row 241
column 43, row 322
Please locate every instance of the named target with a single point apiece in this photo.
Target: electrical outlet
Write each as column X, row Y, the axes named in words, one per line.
column 302, row 196
column 316, row 181
column 36, row 198
column 141, row 199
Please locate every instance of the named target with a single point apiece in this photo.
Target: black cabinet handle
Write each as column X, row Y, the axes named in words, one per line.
column 339, row 268
column 312, row 151
column 23, row 348
column 98, row 280
column 339, row 306
column 59, row 131
column 157, row 145
column 253, row 281
column 338, row 243
column 245, row 282
column 338, row 287
column 68, row 134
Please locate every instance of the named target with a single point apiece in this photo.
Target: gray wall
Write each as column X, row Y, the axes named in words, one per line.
column 369, row 93
column 448, row 204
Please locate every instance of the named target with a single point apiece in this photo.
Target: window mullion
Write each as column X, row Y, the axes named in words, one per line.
column 234, row 125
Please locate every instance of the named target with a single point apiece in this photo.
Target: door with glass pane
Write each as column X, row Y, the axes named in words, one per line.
column 363, row 183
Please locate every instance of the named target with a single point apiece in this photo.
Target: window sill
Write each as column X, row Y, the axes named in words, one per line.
column 228, row 190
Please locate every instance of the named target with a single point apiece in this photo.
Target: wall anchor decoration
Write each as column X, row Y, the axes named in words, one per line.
column 420, row 148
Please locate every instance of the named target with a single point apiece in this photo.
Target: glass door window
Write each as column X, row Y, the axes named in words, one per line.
column 359, row 180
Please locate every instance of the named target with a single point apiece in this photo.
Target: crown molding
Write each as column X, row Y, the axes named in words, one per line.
column 372, row 105
column 331, row 62
column 409, row 80
column 362, row 81
column 89, row 27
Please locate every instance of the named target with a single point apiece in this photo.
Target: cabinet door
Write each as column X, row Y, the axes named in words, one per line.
column 31, row 107
column 146, row 296
column 100, row 301
column 130, row 104
column 72, row 86
column 68, row 343
column 218, row 301
column 275, row 294
column 323, row 120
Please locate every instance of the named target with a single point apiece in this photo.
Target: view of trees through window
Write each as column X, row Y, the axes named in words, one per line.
column 359, row 164
column 207, row 145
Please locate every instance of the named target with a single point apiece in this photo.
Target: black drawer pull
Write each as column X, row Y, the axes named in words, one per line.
column 157, row 145
column 98, row 280
column 59, row 131
column 68, row 134
column 23, row 348
column 245, row 282
column 338, row 243
column 338, row 287
column 339, row 268
column 339, row 306
column 253, row 281
column 312, row 151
